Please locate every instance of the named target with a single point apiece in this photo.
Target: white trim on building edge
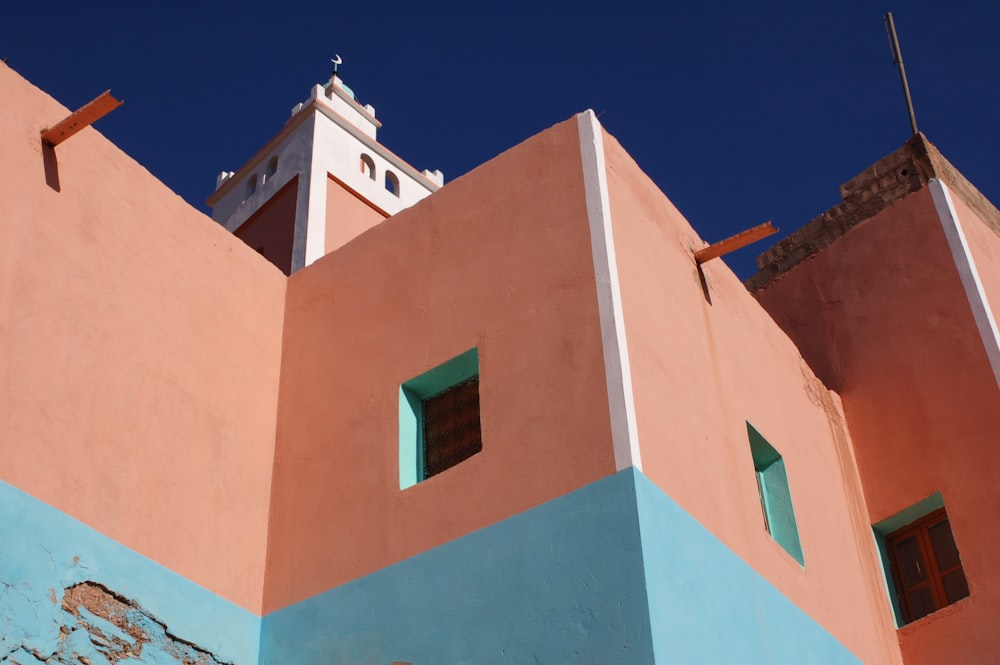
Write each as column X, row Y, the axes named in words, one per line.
column 621, row 400
column 966, row 265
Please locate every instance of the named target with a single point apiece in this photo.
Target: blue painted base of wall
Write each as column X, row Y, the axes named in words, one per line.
column 706, row 605
column 561, row 583
column 130, row 606
column 615, row 572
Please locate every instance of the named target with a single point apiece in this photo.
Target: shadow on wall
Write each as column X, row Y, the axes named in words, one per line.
column 51, row 165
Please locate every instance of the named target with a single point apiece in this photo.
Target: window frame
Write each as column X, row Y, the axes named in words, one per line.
column 777, row 507
column 412, row 394
column 920, row 529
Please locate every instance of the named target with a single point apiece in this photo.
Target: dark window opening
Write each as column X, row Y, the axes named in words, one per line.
column 926, row 568
column 391, row 183
column 451, row 427
column 439, row 419
column 368, row 166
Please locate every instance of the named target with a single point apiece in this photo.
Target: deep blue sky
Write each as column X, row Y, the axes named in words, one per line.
column 740, row 111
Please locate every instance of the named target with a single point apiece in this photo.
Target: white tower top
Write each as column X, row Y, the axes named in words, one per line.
column 321, row 181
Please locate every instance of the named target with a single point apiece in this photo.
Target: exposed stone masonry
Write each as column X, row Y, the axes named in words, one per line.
column 97, row 626
column 874, row 189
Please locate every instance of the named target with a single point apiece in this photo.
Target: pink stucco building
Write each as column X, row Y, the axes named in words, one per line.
column 364, row 416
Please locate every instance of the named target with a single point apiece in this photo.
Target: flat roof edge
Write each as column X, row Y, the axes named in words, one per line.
column 889, row 180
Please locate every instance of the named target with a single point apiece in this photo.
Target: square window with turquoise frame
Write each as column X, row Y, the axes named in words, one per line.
column 775, row 497
column 439, row 423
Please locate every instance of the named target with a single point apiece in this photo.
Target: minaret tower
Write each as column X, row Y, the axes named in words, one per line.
column 321, row 181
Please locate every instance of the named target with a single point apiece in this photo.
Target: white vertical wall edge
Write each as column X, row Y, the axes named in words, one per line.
column 316, row 212
column 621, row 400
column 966, row 265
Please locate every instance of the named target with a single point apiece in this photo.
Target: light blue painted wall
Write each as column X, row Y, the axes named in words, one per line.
column 708, row 606
column 44, row 551
column 561, row 583
column 566, row 582
column 615, row 572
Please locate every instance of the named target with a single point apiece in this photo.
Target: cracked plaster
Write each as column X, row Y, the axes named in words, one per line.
column 71, row 595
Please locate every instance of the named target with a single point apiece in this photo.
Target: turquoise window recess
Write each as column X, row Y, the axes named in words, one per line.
column 775, row 497
column 411, row 399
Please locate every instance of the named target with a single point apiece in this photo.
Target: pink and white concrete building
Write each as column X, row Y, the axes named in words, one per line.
column 508, row 419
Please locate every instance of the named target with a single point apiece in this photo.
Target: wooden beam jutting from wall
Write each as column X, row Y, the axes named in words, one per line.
column 85, row 116
column 735, row 242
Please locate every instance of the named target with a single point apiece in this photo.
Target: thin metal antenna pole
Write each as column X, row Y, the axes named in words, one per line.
column 897, row 58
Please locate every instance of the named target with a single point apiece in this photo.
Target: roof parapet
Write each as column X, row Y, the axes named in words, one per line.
column 865, row 195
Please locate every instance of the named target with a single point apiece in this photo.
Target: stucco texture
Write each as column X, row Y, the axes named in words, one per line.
column 984, row 247
column 271, row 229
column 493, row 261
column 560, row 583
column 883, row 313
column 69, row 594
column 577, row 579
column 347, row 216
column 707, row 359
column 141, row 349
column 708, row 606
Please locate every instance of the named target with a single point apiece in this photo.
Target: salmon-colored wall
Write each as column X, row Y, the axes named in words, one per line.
column 703, row 367
column 984, row 245
column 140, row 347
column 347, row 216
column 493, row 261
column 918, row 393
column 271, row 230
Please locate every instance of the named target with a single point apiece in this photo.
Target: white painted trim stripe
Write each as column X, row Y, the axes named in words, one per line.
column 621, row 400
column 315, row 246
column 966, row 265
